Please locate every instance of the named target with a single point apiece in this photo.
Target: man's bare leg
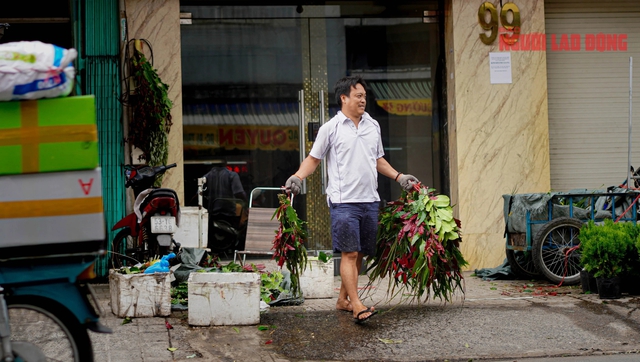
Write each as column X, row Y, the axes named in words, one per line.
column 349, row 275
column 343, row 298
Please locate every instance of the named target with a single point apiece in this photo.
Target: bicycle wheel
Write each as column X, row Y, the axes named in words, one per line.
column 49, row 327
column 124, row 250
column 554, row 252
column 521, row 263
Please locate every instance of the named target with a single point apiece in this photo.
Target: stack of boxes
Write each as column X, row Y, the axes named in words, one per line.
column 50, row 182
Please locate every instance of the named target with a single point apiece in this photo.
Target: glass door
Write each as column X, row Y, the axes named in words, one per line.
column 258, row 82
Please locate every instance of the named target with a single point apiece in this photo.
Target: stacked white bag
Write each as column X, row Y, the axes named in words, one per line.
column 35, row 70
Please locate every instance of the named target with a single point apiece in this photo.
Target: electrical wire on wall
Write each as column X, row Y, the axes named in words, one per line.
column 126, row 70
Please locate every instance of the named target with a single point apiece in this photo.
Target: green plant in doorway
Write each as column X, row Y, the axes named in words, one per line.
column 151, row 119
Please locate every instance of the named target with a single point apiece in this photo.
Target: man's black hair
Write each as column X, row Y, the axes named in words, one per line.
column 344, row 85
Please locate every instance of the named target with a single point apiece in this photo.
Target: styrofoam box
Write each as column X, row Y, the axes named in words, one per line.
column 219, row 299
column 317, row 279
column 140, row 295
column 187, row 233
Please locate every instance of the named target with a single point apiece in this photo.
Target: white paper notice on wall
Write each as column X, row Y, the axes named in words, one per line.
column 500, row 67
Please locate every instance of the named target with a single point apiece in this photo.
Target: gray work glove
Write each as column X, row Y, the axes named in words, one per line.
column 293, row 184
column 407, row 182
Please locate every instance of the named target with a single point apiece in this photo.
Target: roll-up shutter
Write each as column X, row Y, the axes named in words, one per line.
column 588, row 91
column 97, row 32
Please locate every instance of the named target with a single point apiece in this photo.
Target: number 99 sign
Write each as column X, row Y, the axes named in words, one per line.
column 512, row 27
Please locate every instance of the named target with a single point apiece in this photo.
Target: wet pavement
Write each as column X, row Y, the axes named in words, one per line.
column 495, row 321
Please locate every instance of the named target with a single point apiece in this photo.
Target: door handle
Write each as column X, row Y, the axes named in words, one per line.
column 323, row 163
column 301, row 124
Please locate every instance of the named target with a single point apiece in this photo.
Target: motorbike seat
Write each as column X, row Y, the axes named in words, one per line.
column 160, row 192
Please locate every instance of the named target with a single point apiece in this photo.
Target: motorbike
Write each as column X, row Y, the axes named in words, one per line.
column 45, row 310
column 147, row 232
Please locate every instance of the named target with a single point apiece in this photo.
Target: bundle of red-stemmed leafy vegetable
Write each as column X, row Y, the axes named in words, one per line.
column 418, row 246
column 288, row 244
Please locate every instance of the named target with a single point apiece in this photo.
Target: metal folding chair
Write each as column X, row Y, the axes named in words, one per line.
column 261, row 228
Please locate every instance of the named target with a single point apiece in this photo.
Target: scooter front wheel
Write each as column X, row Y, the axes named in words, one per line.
column 50, row 328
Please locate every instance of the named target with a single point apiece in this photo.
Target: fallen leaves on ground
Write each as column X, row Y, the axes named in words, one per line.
column 534, row 288
column 390, row 341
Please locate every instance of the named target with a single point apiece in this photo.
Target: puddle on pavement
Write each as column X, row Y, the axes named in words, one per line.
column 334, row 334
column 595, row 308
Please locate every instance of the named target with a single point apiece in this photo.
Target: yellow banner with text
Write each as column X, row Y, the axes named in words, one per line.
column 406, row 107
column 243, row 137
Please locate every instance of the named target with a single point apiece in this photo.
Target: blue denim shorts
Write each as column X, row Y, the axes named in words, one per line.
column 354, row 227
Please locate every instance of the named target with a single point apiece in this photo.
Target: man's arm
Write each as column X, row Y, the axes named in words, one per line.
column 307, row 167
column 236, row 187
column 385, row 168
column 406, row 181
column 294, row 183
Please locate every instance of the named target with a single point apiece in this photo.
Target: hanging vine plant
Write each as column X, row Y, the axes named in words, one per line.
column 151, row 107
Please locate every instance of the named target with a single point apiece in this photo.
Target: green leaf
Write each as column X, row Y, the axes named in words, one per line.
column 323, row 257
column 126, row 320
column 445, row 214
column 390, row 341
column 442, row 201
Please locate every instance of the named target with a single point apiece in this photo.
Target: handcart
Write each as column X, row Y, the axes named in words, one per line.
column 542, row 229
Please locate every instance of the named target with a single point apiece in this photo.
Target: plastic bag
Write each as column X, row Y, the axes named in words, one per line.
column 189, row 262
column 34, row 70
column 162, row 266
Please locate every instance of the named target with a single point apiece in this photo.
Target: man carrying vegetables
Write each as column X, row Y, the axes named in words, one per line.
column 352, row 144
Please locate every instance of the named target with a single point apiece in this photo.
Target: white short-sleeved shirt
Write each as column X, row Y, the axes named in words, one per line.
column 351, row 155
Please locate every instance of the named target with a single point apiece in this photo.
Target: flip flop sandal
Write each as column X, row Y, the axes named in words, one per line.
column 359, row 320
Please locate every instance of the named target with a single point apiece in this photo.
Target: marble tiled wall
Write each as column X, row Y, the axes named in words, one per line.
column 158, row 21
column 499, row 137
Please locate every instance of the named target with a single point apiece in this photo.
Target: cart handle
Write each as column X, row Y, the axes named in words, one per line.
column 266, row 188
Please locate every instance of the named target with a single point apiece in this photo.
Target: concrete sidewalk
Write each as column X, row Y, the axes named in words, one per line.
column 496, row 320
